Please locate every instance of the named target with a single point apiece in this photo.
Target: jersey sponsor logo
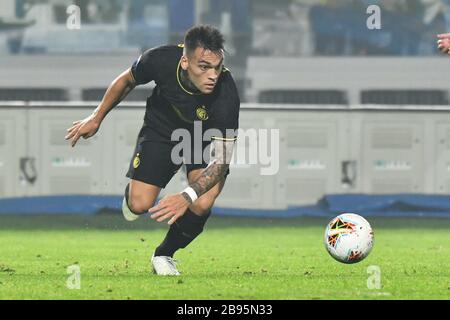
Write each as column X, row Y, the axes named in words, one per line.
column 202, row 114
column 136, row 161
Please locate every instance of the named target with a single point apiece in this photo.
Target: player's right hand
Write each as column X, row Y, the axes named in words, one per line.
column 82, row 128
column 444, row 42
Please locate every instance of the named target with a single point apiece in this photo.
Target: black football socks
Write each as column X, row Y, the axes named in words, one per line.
column 181, row 233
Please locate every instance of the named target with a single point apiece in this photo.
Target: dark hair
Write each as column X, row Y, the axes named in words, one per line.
column 203, row 36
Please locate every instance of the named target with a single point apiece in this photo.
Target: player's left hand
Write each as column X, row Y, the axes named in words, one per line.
column 444, row 42
column 170, row 207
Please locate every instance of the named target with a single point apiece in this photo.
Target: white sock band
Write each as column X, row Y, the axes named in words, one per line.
column 191, row 193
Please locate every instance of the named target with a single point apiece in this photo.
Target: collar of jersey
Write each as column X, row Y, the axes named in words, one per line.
column 181, row 85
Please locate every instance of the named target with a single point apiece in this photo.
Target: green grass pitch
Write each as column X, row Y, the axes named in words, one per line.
column 235, row 258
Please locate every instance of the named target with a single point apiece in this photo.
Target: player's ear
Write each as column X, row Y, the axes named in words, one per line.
column 184, row 62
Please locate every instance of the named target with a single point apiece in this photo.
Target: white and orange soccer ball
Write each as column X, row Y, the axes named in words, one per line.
column 349, row 238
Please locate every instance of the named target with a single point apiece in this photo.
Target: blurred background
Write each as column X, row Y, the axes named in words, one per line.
column 360, row 112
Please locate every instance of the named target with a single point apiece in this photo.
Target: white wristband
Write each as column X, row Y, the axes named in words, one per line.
column 191, row 193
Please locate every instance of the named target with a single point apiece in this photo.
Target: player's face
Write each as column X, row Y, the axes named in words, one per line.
column 203, row 68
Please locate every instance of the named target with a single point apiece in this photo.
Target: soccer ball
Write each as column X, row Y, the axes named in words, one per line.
column 349, row 238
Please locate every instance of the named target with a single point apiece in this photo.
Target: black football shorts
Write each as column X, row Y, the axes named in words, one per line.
column 152, row 162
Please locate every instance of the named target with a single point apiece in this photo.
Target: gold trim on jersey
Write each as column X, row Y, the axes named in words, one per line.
column 179, row 82
column 180, row 115
column 132, row 75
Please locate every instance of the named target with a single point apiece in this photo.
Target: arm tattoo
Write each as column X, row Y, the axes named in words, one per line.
column 221, row 152
column 209, row 178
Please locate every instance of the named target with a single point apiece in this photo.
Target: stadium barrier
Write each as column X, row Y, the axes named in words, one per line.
column 395, row 205
column 323, row 150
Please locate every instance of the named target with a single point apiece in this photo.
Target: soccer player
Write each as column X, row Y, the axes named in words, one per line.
column 192, row 86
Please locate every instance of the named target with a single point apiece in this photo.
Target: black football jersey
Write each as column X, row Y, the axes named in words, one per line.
column 172, row 106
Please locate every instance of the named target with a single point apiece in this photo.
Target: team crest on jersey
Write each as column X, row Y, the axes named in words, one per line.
column 136, row 161
column 202, row 114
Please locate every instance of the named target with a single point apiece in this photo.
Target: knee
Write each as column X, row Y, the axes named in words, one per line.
column 138, row 203
column 140, row 196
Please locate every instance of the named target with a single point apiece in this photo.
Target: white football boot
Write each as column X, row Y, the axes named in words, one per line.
column 164, row 266
column 127, row 214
